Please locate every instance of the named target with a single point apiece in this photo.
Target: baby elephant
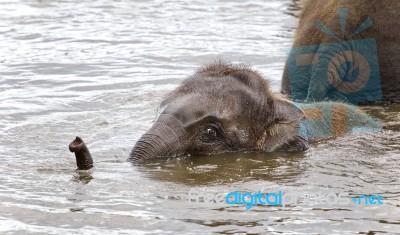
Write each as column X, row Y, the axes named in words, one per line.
column 230, row 108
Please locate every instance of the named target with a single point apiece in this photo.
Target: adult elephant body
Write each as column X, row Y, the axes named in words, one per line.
column 346, row 50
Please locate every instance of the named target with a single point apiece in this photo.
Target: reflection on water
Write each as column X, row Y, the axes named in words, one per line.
column 83, row 177
column 226, row 168
column 98, row 69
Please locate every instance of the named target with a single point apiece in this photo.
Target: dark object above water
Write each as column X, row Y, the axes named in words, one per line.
column 84, row 160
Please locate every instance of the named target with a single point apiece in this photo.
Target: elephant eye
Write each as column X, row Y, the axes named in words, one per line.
column 210, row 133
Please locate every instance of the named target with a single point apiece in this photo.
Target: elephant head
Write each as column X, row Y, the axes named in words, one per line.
column 222, row 108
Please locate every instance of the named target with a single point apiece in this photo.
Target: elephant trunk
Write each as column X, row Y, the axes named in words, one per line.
column 167, row 137
column 84, row 160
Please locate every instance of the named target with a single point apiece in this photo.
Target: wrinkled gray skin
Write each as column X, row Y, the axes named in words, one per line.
column 222, row 108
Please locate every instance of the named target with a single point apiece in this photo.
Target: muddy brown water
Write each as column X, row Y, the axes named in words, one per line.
column 98, row 69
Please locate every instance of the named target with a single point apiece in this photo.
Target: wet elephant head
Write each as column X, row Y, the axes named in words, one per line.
column 222, row 108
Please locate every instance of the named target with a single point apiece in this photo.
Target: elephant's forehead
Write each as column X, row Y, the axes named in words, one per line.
column 221, row 105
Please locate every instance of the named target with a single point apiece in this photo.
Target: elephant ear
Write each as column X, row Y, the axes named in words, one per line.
column 283, row 132
column 286, row 111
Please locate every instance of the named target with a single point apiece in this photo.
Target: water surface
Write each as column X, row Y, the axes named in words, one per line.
column 98, row 69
